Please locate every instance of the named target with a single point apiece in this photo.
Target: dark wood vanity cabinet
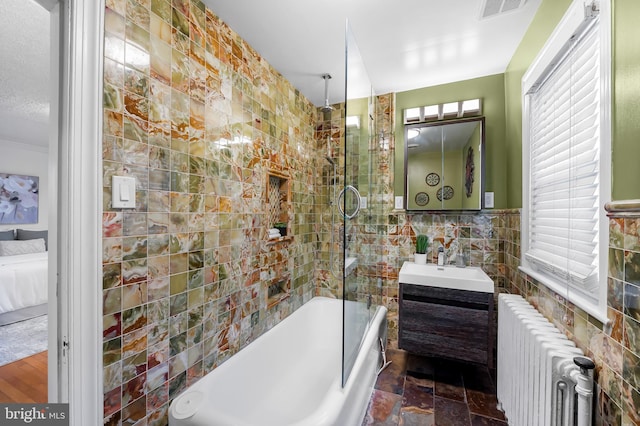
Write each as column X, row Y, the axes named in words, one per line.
column 446, row 323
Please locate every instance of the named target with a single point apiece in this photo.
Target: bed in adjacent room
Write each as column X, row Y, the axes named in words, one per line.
column 23, row 276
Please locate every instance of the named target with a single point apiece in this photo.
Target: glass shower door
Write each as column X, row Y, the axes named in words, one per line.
column 357, row 299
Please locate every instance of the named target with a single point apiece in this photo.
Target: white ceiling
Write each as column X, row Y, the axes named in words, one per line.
column 24, row 71
column 404, row 45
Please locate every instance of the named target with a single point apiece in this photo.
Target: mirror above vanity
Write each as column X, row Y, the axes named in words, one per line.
column 444, row 161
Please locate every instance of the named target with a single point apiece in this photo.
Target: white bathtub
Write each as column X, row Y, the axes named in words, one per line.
column 289, row 376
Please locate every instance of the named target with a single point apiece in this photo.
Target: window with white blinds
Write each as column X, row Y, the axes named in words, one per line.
column 563, row 215
column 564, row 166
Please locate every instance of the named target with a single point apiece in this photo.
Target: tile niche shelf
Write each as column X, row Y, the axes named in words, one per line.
column 278, row 290
column 278, row 203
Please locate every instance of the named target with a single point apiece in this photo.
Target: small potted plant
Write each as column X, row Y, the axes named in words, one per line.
column 420, row 256
column 282, row 227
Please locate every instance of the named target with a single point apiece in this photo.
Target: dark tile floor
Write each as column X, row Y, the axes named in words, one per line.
column 414, row 390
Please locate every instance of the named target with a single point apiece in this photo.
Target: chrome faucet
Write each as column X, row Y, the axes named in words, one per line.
column 441, row 257
column 461, row 259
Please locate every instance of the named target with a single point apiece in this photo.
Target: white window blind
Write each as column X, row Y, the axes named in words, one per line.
column 564, row 138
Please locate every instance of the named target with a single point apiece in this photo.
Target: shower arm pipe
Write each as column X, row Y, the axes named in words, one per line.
column 327, row 107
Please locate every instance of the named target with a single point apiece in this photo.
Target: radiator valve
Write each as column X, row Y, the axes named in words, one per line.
column 584, row 389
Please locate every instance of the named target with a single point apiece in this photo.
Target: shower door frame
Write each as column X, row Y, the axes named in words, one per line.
column 357, row 314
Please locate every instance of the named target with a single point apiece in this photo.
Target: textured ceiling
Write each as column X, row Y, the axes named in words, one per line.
column 24, row 71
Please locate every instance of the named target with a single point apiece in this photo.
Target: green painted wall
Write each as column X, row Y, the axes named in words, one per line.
column 491, row 90
column 422, row 164
column 543, row 24
column 625, row 142
column 625, row 125
column 503, row 106
column 455, row 162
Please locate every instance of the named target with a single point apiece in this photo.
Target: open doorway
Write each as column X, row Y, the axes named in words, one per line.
column 28, row 189
column 74, row 356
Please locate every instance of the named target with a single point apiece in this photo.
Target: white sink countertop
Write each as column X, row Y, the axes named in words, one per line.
column 470, row 278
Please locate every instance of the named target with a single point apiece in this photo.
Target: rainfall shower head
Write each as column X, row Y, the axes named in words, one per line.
column 326, row 107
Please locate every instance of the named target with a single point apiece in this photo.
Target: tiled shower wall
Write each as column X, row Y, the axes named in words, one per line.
column 198, row 118
column 331, row 143
column 375, row 181
column 370, row 169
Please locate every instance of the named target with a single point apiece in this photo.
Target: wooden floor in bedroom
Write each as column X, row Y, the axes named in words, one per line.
column 24, row 380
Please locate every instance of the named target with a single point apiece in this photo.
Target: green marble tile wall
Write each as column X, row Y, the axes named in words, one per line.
column 331, row 143
column 198, row 118
column 371, row 163
column 615, row 349
column 375, row 177
column 481, row 235
column 493, row 241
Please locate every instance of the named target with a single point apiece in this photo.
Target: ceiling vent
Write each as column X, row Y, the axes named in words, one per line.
column 492, row 8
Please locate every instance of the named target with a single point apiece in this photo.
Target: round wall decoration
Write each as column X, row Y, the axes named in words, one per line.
column 432, row 179
column 446, row 193
column 422, row 198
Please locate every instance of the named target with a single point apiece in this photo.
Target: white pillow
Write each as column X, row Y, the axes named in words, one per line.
column 15, row 247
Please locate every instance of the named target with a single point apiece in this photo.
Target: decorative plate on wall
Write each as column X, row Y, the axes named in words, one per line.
column 422, row 198
column 446, row 192
column 432, row 179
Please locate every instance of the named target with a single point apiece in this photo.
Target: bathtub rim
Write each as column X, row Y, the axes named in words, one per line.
column 341, row 404
column 367, row 375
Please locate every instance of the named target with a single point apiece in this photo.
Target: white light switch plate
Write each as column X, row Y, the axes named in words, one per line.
column 399, row 202
column 123, row 192
column 488, row 200
column 363, row 202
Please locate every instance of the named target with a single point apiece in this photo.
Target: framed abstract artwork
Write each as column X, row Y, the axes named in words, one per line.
column 18, row 199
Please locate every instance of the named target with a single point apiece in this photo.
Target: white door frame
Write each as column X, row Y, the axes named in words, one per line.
column 78, row 221
column 56, row 383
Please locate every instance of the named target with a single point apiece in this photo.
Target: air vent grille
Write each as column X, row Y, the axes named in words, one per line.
column 492, row 8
